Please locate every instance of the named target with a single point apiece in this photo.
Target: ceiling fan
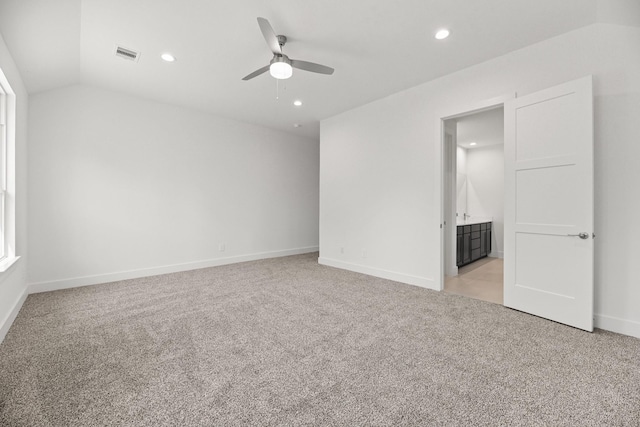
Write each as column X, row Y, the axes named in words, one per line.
column 280, row 66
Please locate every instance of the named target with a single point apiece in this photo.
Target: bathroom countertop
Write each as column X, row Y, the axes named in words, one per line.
column 471, row 221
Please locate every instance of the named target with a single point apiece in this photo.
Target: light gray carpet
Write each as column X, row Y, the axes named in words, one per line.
column 287, row 342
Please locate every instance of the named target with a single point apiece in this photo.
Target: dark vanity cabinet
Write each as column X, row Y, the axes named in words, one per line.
column 473, row 242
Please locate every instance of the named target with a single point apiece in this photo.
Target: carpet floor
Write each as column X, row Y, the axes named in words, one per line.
column 287, row 342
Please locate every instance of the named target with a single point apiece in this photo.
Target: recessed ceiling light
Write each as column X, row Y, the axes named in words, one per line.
column 442, row 34
column 297, row 103
column 168, row 57
column 472, row 143
column 297, row 125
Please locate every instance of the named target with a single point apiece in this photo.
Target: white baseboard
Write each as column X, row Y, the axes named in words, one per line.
column 11, row 316
column 496, row 254
column 615, row 324
column 75, row 282
column 423, row 282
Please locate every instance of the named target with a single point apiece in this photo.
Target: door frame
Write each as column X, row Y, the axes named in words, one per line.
column 455, row 113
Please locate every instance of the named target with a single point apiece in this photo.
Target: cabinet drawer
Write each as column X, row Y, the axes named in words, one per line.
column 475, row 227
column 475, row 244
column 475, row 254
column 467, row 229
column 460, row 230
column 475, row 234
column 483, row 226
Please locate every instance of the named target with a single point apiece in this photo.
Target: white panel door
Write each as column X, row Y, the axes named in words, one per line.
column 549, row 204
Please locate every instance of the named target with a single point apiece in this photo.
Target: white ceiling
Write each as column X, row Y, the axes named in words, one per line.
column 485, row 129
column 378, row 47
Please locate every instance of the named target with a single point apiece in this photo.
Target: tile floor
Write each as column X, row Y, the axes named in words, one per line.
column 482, row 280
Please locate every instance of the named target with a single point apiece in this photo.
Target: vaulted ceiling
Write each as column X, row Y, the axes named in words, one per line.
column 377, row 47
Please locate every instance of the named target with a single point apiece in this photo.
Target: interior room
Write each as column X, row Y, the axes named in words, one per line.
column 271, row 213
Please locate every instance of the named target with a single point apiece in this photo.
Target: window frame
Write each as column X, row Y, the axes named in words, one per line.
column 8, row 115
column 4, row 123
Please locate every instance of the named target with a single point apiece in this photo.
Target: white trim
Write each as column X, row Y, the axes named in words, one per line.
column 422, row 282
column 7, row 262
column 463, row 110
column 496, row 254
column 615, row 324
column 5, row 325
column 75, row 282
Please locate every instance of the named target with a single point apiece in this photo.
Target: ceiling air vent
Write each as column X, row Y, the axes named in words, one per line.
column 125, row 53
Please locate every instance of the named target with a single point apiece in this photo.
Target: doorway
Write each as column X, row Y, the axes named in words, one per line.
column 548, row 201
column 474, row 182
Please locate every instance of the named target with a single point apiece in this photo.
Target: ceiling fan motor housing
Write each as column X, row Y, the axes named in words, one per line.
column 280, row 58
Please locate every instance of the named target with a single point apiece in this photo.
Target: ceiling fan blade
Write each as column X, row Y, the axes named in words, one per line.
column 269, row 35
column 310, row 66
column 256, row 73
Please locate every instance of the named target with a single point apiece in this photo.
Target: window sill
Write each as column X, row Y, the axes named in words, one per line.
column 7, row 263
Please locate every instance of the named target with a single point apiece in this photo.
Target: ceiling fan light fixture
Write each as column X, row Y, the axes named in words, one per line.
column 281, row 70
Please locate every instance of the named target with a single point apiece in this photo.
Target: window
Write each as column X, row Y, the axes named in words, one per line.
column 7, row 174
column 3, row 170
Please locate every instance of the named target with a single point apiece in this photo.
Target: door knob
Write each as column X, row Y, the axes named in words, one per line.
column 580, row 235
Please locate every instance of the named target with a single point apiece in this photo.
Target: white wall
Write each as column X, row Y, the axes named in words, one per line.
column 123, row 187
column 13, row 281
column 380, row 165
column 461, row 182
column 485, row 190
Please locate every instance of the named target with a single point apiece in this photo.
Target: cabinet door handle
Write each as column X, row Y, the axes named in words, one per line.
column 582, row 235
